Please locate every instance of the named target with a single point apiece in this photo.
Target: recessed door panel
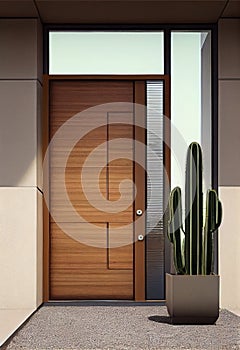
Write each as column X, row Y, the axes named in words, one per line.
column 79, row 268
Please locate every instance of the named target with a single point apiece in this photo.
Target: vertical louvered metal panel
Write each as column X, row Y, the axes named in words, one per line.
column 155, row 190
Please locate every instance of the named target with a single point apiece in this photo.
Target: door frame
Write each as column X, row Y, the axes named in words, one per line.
column 139, row 82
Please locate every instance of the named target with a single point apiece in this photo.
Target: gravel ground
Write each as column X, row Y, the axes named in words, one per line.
column 121, row 328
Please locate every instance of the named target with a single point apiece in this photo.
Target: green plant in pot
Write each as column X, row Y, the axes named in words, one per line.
column 192, row 294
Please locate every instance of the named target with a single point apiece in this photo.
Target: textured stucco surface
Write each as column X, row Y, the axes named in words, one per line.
column 121, row 327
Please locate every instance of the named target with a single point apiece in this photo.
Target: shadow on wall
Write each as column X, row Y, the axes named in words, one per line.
column 18, row 133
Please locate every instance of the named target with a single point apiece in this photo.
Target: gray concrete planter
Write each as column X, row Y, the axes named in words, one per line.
column 192, row 299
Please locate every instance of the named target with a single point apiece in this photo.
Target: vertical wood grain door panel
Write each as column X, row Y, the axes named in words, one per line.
column 78, row 270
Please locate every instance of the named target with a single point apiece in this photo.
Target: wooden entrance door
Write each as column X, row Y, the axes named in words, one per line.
column 114, row 268
column 80, row 268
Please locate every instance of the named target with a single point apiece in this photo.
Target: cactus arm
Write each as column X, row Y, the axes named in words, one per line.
column 174, row 228
column 193, row 210
column 170, row 227
column 212, row 222
column 207, row 245
column 183, row 255
column 218, row 215
column 175, row 212
column 177, row 254
column 170, row 230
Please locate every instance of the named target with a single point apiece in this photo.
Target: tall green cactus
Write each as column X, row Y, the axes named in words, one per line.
column 195, row 257
column 193, row 210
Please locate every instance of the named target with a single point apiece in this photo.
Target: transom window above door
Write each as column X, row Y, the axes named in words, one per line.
column 134, row 52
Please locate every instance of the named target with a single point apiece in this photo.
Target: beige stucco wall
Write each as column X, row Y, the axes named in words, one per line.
column 229, row 248
column 229, row 161
column 19, row 241
column 20, row 171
